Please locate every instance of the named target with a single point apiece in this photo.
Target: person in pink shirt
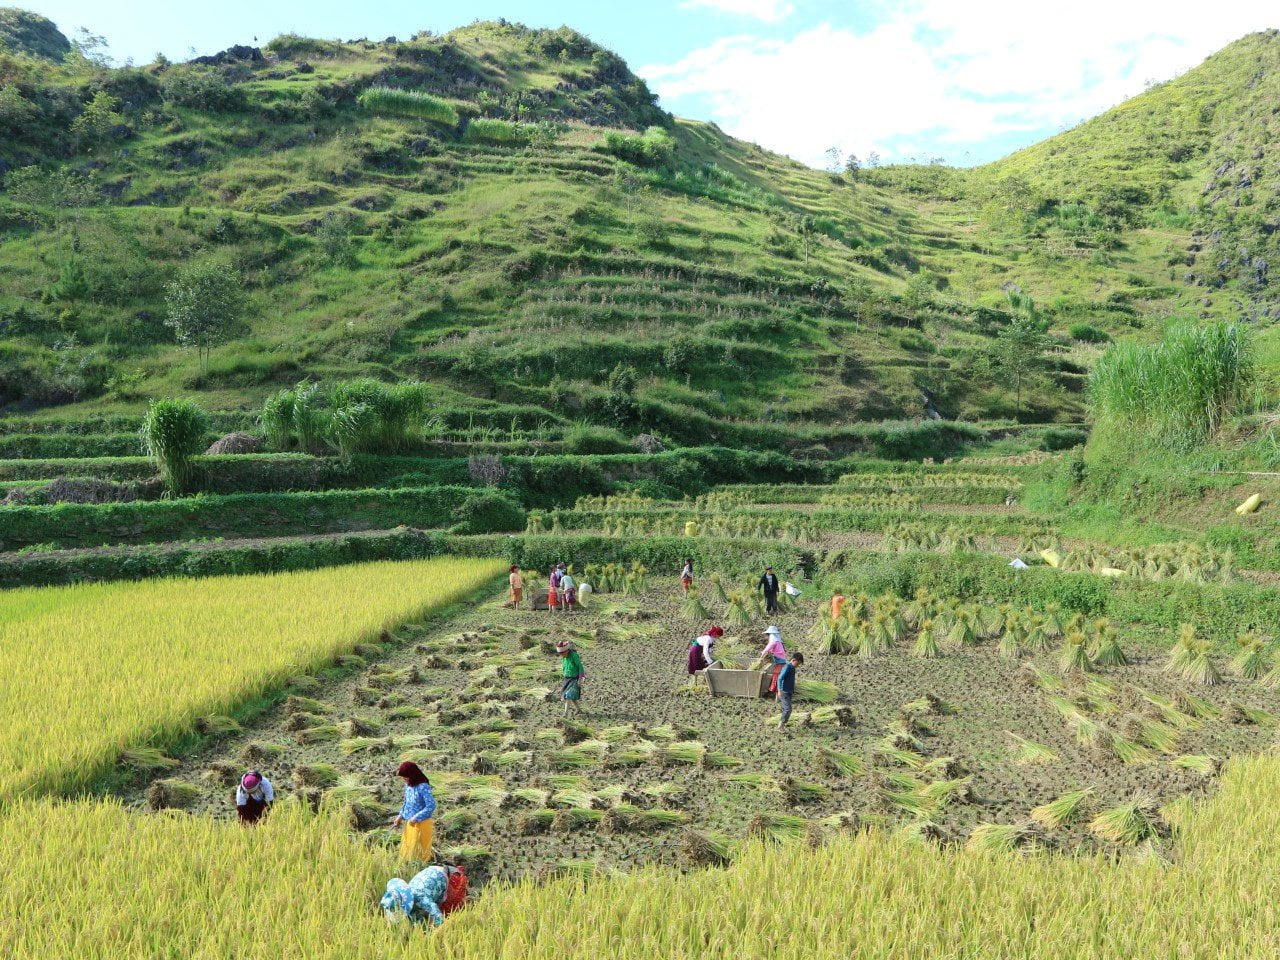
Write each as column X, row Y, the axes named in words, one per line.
column 774, row 653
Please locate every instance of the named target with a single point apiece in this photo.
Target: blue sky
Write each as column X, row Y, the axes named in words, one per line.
column 965, row 80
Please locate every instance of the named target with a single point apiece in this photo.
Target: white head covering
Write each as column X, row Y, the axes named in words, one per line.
column 773, row 632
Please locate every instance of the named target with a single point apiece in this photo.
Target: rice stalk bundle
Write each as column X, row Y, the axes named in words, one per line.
column 1203, row 764
column 316, row 775
column 171, row 794
column 1062, row 811
column 717, row 587
column 579, row 755
column 1001, row 837
column 1127, row 750
column 754, row 780
column 1197, row 707
column 963, row 632
column 907, row 758
column 1039, row 638
column 715, row 760
column 1183, row 650
column 1129, row 823
column 1029, row 752
column 737, row 614
column 1199, row 666
column 536, row 821
column 217, row 725
column 260, row 751
column 1251, row 662
column 797, row 792
column 573, row 818
column 1158, row 736
column 532, row 796
column 491, row 796
column 816, row 691
column 911, row 802
column 1046, row 681
column 689, row 752
column 1169, row 712
column 926, row 645
column 830, row 716
column 1106, row 650
column 925, row 704
column 835, row 763
column 321, row 733
column 1010, row 646
column 451, row 823
column 777, row 827
column 1074, row 655
column 705, row 849
column 942, row 792
column 146, row 760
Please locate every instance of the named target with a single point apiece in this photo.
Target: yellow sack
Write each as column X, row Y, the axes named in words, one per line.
column 1052, row 557
column 1250, row 505
column 691, row 528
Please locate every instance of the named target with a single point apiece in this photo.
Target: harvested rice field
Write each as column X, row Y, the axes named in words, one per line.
column 973, row 745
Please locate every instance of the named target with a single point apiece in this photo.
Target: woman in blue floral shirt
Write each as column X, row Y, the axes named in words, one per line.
column 419, row 899
column 416, row 814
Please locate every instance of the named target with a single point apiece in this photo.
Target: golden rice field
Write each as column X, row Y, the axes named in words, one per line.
column 91, row 879
column 88, row 671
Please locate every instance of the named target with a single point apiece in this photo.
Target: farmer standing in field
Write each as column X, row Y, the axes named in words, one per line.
column 517, row 585
column 769, row 586
column 416, row 814
column 787, row 686
column 686, row 574
column 254, row 797
column 571, row 670
column 553, row 588
column 568, row 591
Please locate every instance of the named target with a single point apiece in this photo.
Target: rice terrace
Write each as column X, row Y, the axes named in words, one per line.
column 451, row 506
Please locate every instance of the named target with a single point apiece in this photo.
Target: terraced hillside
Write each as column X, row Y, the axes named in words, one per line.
column 528, row 243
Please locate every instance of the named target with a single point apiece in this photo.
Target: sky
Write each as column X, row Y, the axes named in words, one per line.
column 967, row 81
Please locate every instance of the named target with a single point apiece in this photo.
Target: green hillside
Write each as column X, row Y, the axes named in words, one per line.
column 544, row 246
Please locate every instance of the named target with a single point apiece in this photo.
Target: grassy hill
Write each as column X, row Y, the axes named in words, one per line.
column 533, row 240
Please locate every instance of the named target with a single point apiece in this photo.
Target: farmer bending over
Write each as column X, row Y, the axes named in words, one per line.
column 254, row 797
column 419, row 899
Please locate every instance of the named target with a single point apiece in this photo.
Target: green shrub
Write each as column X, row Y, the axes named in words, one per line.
column 584, row 439
column 654, row 148
column 1175, row 393
column 1087, row 333
column 1055, row 439
column 409, row 103
column 173, row 432
column 499, row 131
column 201, row 88
column 488, row 513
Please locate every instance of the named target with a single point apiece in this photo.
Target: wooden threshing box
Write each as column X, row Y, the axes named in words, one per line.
column 751, row 684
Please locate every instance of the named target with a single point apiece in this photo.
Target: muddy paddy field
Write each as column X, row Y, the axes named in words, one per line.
column 657, row 771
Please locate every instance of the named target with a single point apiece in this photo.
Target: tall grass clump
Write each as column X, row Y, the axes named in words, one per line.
column 409, row 103
column 1180, row 391
column 504, row 132
column 173, row 431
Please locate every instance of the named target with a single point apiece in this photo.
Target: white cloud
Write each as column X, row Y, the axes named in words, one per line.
column 770, row 11
column 943, row 74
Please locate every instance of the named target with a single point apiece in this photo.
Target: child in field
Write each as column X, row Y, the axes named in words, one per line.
column 553, row 590
column 517, row 585
column 416, row 814
column 787, row 686
column 686, row 574
column 254, row 797
column 571, row 670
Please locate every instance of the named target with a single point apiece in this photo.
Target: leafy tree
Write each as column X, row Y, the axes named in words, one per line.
column 205, row 304
column 99, row 118
column 852, row 165
column 15, row 110
column 620, row 402
column 1019, row 351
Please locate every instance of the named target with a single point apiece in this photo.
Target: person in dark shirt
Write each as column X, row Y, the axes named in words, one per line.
column 769, row 585
column 787, row 686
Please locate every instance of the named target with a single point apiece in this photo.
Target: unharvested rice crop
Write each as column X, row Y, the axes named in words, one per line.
column 125, row 665
column 195, row 887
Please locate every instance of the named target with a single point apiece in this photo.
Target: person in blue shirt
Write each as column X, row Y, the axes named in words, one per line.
column 420, row 899
column 787, row 686
column 417, row 814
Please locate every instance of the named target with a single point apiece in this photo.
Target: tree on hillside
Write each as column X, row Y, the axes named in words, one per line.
column 851, row 166
column 1019, row 351
column 205, row 304
column 833, row 159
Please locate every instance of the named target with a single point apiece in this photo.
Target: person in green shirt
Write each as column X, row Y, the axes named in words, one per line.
column 571, row 667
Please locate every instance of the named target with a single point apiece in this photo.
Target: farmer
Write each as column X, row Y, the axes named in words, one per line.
column 787, row 686
column 419, row 899
column 517, row 585
column 774, row 655
column 553, row 589
column 568, row 591
column 686, row 574
column 571, row 670
column 769, row 586
column 700, row 651
column 837, row 605
column 416, row 814
column 254, row 797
